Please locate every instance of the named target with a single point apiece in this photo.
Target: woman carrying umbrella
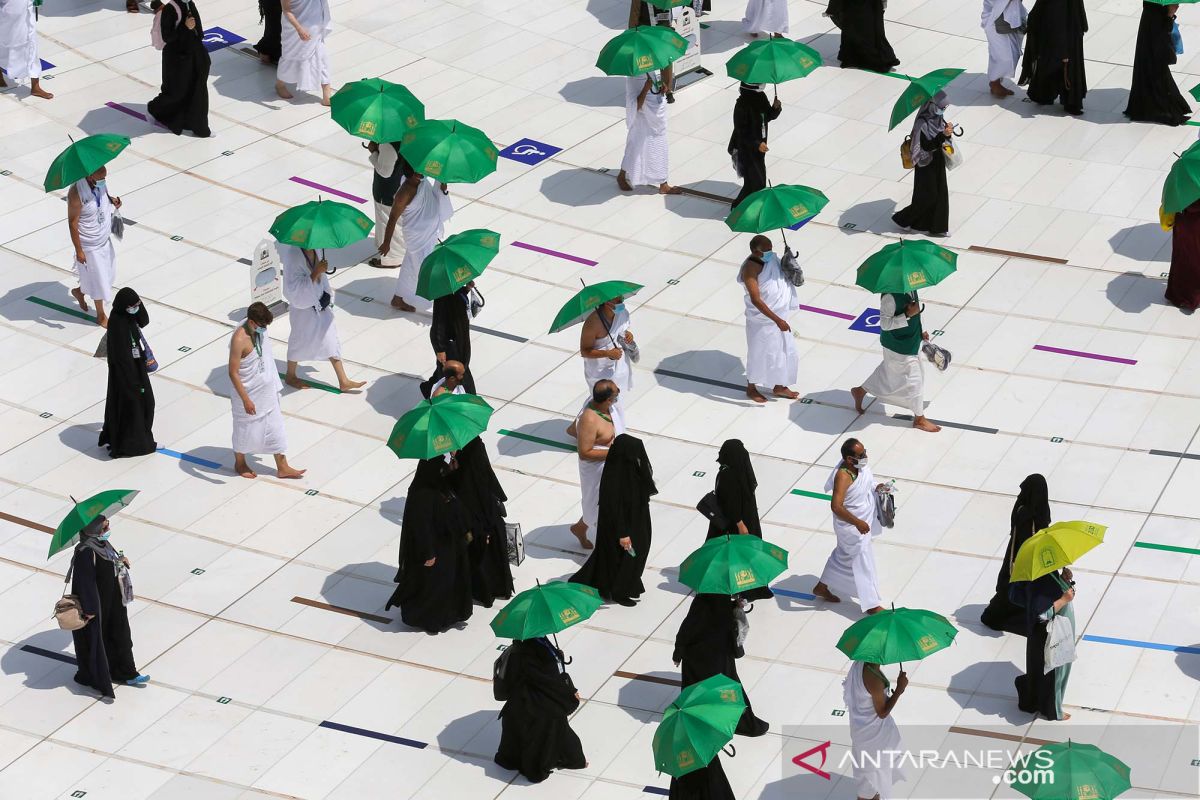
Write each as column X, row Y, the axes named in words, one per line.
column 752, row 114
column 929, row 211
column 1040, row 691
column 100, row 579
column 735, row 486
column 129, row 403
column 483, row 499
column 1030, row 514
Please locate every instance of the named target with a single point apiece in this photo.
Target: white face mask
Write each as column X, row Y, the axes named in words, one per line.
column 861, row 462
column 134, row 309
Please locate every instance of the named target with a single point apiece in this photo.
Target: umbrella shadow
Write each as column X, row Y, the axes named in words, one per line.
column 874, row 216
column 365, row 587
column 553, row 429
column 639, row 696
column 711, row 374
column 847, row 608
column 692, row 207
column 968, row 690
column 577, row 187
column 807, row 785
column 370, row 296
column 612, row 14
column 828, row 413
column 210, row 455
column 465, row 732
column 594, row 92
column 394, row 394
column 1134, row 292
column 973, row 612
column 48, row 665
column 1189, row 662
column 83, row 439
column 553, row 542
column 1145, row 242
column 106, row 119
column 16, row 306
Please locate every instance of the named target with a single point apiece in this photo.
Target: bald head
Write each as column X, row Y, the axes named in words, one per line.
column 760, row 244
column 454, row 371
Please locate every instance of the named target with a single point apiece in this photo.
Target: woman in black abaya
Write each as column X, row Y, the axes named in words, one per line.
column 475, row 482
column 1039, row 691
column 450, row 333
column 183, row 102
column 623, row 527
column 709, row 642
column 270, row 46
column 706, row 783
column 864, row 41
column 1153, row 96
column 752, row 115
column 735, row 495
column 929, row 211
column 1030, row 514
column 129, row 404
column 1052, row 66
column 434, row 591
column 100, row 579
column 535, row 735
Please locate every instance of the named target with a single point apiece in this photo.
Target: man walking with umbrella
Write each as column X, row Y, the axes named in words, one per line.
column 606, row 344
column 771, row 358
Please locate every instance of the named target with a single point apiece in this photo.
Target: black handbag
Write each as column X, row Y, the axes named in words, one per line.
column 710, row 507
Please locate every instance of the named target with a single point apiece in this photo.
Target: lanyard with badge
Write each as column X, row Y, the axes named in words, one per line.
column 256, row 340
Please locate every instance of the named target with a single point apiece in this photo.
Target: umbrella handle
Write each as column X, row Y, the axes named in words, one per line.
column 729, row 750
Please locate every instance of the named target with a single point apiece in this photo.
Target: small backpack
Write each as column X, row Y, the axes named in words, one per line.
column 156, row 38
column 502, row 678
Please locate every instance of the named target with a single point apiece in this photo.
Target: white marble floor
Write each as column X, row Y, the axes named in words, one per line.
column 259, row 690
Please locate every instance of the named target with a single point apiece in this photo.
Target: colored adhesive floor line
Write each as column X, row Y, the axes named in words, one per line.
column 814, row 495
column 383, row 737
column 1170, row 648
column 557, row 254
column 350, row 612
column 793, row 594
column 947, row 424
column 325, row 387
column 1192, row 551
column 327, row 189
column 827, row 312
column 1082, row 354
column 27, row 523
column 203, row 462
column 1176, row 454
column 698, row 379
column 635, row 676
column 57, row 656
column 132, row 113
column 71, row 312
column 536, row 439
column 656, row 790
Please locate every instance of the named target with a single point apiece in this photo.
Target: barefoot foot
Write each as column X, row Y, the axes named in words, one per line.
column 822, row 591
column 102, row 321
column 77, row 293
column 290, row 472
column 666, row 188
column 38, row 91
column 859, row 394
column 282, row 91
column 580, row 531
column 785, row 393
column 242, row 468
column 754, row 394
column 874, row 610
column 295, row 383
column 399, row 304
column 923, row 424
column 350, row 386
column 623, row 182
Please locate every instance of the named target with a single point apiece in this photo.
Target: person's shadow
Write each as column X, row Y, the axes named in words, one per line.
column 16, row 305
column 48, row 664
column 712, row 374
column 472, row 739
column 1189, row 662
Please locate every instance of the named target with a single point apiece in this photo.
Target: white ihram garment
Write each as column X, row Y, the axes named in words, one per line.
column 850, row 568
column 590, row 472
column 619, row 372
column 314, row 334
column 99, row 273
column 1004, row 49
column 646, row 149
column 18, row 41
column 900, row 379
column 424, row 220
column 766, row 16
column 871, row 739
column 306, row 64
column 261, row 432
column 771, row 358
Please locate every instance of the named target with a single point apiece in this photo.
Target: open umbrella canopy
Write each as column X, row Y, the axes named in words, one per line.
column 905, row 266
column 545, row 609
column 1053, row 548
column 776, row 207
column 439, row 426
column 588, row 299
column 896, row 635
column 732, row 564
column 456, row 262
column 82, row 158
column 640, row 50
column 105, row 503
column 772, row 61
column 667, row 5
column 1182, row 186
column 321, row 224
column 697, row 725
column 377, row 110
column 919, row 92
column 450, row 151
column 1076, row 771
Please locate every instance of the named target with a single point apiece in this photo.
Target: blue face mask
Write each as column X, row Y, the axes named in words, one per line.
column 768, row 255
column 104, row 536
column 134, row 309
column 619, row 308
column 100, row 184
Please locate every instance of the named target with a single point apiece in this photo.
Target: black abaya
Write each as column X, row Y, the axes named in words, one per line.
column 435, row 526
column 183, row 102
column 706, row 645
column 475, row 482
column 1030, row 514
column 626, row 486
column 129, row 404
column 752, row 114
column 735, row 495
column 929, row 211
column 706, row 783
column 271, row 43
column 535, row 735
column 1153, row 95
column 864, row 40
column 450, row 333
column 104, row 646
column 1035, row 689
column 1055, row 33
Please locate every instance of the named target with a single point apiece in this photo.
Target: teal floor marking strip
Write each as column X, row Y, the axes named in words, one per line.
column 1192, row 551
column 815, row 495
column 315, row 384
column 537, row 439
column 73, row 312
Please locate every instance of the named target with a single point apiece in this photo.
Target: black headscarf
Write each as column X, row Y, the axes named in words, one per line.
column 475, row 481
column 1032, row 506
column 735, row 465
column 628, row 476
column 127, row 298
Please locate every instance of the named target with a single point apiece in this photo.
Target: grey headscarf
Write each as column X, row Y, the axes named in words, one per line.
column 89, row 538
column 930, row 121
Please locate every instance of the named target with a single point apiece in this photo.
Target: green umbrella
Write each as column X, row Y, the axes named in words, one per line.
column 896, row 635
column 697, row 725
column 449, row 151
column 83, row 514
column 456, row 262
column 545, row 609
column 640, row 50
column 772, row 61
column 732, row 564
column 919, row 92
column 905, row 266
column 439, row 426
column 588, row 299
column 776, row 207
column 667, row 5
column 1182, row 186
column 1195, row 92
column 378, row 110
column 321, row 224
column 1070, row 770
column 82, row 158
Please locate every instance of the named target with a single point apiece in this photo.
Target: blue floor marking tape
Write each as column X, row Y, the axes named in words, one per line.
column 204, row 462
column 383, row 737
column 1171, row 648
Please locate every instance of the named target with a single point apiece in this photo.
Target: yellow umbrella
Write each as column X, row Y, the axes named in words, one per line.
column 1053, row 548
